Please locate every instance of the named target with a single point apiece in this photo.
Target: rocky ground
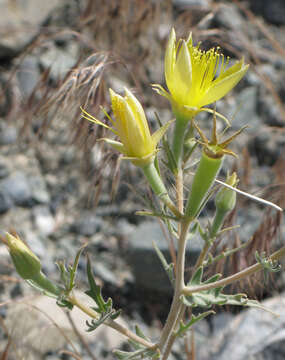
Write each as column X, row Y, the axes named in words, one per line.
column 60, row 189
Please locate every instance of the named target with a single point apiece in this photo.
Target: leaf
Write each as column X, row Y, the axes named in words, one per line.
column 137, row 355
column 95, row 292
column 169, row 268
column 93, row 325
column 64, row 303
column 197, row 277
column 134, row 343
column 73, row 269
column 184, row 327
column 208, row 298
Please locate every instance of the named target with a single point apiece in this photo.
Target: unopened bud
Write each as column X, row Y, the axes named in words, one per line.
column 26, row 262
column 225, row 201
column 226, row 198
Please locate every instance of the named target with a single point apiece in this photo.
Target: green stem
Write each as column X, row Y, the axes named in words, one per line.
column 178, row 139
column 217, row 222
column 173, row 334
column 158, row 187
column 233, row 278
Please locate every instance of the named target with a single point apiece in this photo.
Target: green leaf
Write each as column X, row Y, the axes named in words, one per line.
column 137, row 355
column 197, row 277
column 184, row 327
column 64, row 303
column 93, row 324
column 169, row 268
column 208, row 298
column 136, row 345
column 73, row 269
column 95, row 292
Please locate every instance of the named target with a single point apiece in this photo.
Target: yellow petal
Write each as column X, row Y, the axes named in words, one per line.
column 138, row 113
column 221, row 88
column 182, row 74
column 170, row 58
column 232, row 69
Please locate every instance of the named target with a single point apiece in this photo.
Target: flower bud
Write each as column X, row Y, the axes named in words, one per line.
column 226, row 198
column 26, row 262
column 225, row 201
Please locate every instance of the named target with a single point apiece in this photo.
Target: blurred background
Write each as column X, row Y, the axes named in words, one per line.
column 60, row 188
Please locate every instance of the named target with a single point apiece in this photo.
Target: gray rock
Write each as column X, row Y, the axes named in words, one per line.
column 43, row 219
column 28, row 75
column 105, row 274
column 273, row 11
column 23, row 19
column 229, row 17
column 8, row 134
column 87, row 225
column 254, row 334
column 18, row 189
column 144, row 262
column 5, row 203
column 58, row 60
column 38, row 188
column 246, row 114
column 4, row 171
column 268, row 145
column 192, row 3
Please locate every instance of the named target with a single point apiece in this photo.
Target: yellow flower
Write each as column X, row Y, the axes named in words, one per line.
column 196, row 78
column 130, row 125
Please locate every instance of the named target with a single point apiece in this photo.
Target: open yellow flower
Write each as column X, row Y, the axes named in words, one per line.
column 130, row 125
column 196, row 78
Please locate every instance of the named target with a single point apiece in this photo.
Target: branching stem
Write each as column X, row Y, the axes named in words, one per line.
column 235, row 277
column 179, row 286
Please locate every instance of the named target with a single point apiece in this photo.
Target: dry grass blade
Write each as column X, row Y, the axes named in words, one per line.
column 54, row 323
column 4, row 355
column 265, row 31
column 80, row 337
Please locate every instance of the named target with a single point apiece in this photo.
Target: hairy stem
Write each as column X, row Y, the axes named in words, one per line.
column 235, row 277
column 173, row 335
column 179, row 286
column 158, row 187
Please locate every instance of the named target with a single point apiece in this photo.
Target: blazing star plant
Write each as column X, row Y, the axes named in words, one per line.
column 194, row 78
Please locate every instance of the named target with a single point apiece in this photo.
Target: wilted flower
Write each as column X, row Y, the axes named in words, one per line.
column 130, row 125
column 196, row 78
